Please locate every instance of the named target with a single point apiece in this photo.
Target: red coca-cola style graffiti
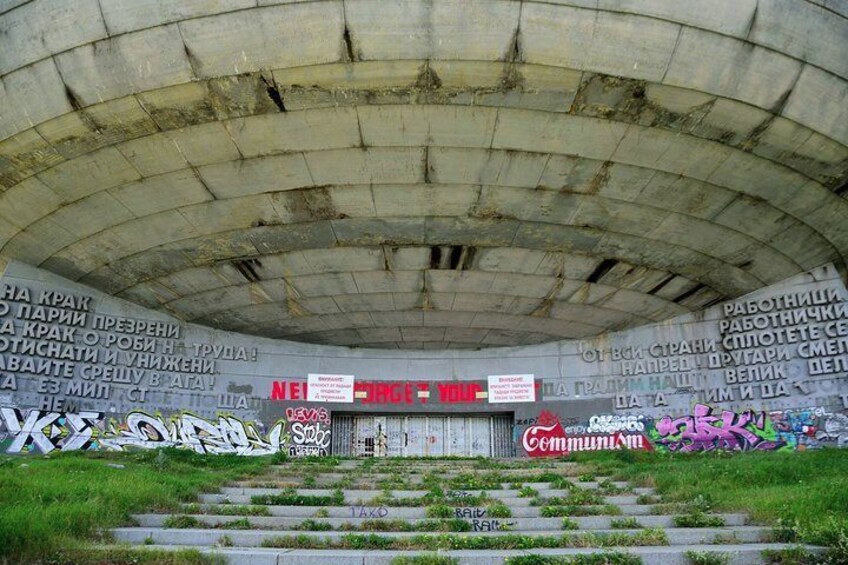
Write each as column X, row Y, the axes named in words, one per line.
column 547, row 438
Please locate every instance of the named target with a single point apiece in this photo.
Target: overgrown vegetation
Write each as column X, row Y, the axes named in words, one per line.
column 65, row 499
column 606, row 558
column 648, row 536
column 707, row 558
column 805, row 494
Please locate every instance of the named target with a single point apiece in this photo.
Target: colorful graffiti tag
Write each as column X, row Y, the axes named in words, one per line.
column 547, row 438
column 703, row 431
column 310, row 432
column 226, row 435
column 306, row 432
column 810, row 428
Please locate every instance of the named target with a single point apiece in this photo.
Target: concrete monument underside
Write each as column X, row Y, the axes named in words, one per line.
column 424, row 174
column 80, row 369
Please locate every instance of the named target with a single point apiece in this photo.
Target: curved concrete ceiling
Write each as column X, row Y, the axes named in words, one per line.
column 424, row 174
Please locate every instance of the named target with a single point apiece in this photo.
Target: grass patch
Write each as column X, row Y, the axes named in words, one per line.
column 527, row 492
column 182, row 522
column 570, row 524
column 707, row 558
column 430, row 559
column 605, row 558
column 558, row 511
column 290, row 497
column 62, row 496
column 227, row 510
column 499, row 510
column 629, row 523
column 807, row 490
column 131, row 556
column 789, row 556
column 697, row 520
column 648, row 536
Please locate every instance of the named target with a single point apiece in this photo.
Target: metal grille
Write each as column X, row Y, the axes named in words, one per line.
column 342, row 438
column 503, row 444
column 414, row 436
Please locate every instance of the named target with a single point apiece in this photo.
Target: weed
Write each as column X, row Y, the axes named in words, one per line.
column 182, row 522
column 499, row 510
column 788, row 556
column 289, row 497
column 225, row 541
column 697, row 520
column 607, row 558
column 569, row 524
column 707, row 558
column 149, row 540
column 439, row 511
column 629, row 523
column 322, row 513
column 428, row 559
column 527, row 492
column 313, row 526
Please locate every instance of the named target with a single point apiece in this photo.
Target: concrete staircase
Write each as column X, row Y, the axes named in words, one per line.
column 469, row 511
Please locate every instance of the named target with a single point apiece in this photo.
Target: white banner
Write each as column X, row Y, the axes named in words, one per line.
column 329, row 388
column 512, row 388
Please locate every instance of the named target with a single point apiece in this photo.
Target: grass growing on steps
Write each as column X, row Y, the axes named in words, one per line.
column 648, row 536
column 63, row 497
column 606, row 558
column 80, row 555
column 804, row 494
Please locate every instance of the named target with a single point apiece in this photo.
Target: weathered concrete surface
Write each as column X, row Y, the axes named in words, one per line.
column 482, row 173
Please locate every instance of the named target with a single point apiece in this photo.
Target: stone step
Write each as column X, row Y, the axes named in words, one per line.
column 516, row 523
column 255, row 538
column 742, row 554
column 405, row 511
column 369, row 484
column 353, row 498
column 367, row 494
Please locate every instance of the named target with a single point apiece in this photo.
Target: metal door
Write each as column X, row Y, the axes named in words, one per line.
column 416, row 436
column 435, row 436
column 457, row 437
column 363, row 436
column 480, row 437
column 395, row 436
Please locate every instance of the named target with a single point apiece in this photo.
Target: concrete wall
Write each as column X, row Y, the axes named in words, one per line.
column 84, row 370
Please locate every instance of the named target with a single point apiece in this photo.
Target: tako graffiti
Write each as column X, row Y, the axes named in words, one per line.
column 305, row 433
column 704, row 431
column 547, row 438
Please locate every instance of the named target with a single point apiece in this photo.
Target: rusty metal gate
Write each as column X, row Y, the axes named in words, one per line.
column 422, row 436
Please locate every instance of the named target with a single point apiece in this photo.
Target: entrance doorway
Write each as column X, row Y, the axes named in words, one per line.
column 422, row 436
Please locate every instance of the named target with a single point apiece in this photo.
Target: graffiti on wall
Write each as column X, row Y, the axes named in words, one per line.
column 43, row 432
column 310, row 431
column 704, row 431
column 187, row 431
column 393, row 393
column 548, row 438
column 306, row 432
column 810, row 428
